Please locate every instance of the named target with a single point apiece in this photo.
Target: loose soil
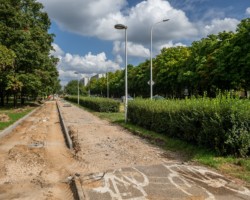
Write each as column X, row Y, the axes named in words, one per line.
column 4, row 118
column 100, row 145
column 36, row 164
column 34, row 160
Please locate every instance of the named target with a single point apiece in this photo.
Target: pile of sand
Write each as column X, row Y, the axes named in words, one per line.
column 4, row 118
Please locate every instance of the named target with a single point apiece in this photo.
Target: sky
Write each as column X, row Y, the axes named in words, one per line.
column 87, row 42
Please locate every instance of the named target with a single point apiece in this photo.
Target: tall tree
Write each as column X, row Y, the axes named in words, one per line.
column 24, row 29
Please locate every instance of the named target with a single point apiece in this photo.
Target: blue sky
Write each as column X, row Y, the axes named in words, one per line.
column 87, row 42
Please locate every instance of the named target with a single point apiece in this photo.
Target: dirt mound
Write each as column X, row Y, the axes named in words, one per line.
column 73, row 132
column 4, row 118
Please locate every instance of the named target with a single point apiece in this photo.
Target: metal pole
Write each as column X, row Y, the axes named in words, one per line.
column 107, row 85
column 126, row 77
column 151, row 62
column 78, row 90
column 121, row 26
column 151, row 67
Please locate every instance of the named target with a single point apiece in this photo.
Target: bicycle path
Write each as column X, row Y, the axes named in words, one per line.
column 118, row 166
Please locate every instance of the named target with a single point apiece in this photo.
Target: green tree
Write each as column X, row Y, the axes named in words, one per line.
column 72, row 88
column 24, row 29
column 7, row 59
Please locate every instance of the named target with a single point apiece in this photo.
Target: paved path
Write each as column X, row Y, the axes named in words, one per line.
column 136, row 178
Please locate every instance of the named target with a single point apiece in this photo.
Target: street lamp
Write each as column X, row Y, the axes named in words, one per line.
column 151, row 68
column 77, row 88
column 107, row 76
column 120, row 27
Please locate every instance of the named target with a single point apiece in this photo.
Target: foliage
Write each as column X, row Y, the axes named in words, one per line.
column 221, row 124
column 98, row 104
column 26, row 44
column 219, row 61
column 72, row 88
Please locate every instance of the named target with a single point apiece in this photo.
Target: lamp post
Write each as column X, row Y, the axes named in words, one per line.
column 77, row 88
column 107, row 84
column 151, row 68
column 120, row 27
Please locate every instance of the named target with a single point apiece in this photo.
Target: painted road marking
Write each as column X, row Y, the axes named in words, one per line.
column 165, row 181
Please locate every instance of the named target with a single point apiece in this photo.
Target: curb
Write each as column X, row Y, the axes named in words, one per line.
column 64, row 128
column 10, row 128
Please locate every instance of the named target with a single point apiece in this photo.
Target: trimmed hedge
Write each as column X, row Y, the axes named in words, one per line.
column 221, row 124
column 96, row 103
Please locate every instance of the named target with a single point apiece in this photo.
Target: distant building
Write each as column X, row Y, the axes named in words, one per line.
column 97, row 76
column 85, row 81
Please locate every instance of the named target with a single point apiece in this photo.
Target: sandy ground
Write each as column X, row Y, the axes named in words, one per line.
column 36, row 164
column 34, row 160
column 102, row 146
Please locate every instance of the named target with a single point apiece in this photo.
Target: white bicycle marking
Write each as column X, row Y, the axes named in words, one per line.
column 113, row 181
column 124, row 184
column 205, row 176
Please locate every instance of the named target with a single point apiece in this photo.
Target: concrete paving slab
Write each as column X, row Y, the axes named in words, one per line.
column 167, row 181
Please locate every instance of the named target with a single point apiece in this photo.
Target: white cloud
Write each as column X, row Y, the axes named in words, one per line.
column 219, row 25
column 248, row 11
column 97, row 18
column 85, row 65
column 171, row 44
column 57, row 52
column 136, row 50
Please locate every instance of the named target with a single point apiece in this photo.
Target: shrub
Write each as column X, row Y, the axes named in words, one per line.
column 221, row 124
column 97, row 104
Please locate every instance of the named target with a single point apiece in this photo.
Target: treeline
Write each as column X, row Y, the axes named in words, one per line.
column 26, row 67
column 217, row 62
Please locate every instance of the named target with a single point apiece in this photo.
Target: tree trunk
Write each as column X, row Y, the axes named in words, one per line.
column 15, row 101
column 2, row 100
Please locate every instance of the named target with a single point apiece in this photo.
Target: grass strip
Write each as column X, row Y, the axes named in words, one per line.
column 14, row 115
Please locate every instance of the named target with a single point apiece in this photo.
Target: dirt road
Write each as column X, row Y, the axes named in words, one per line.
column 34, row 160
column 110, row 163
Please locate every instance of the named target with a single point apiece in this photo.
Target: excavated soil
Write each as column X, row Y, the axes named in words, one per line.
column 36, row 164
column 100, row 145
column 34, row 160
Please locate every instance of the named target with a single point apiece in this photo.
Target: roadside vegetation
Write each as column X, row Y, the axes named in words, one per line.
column 27, row 69
column 218, row 61
column 97, row 104
column 9, row 115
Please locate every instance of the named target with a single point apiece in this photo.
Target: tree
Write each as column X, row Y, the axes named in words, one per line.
column 24, row 30
column 72, row 88
column 7, row 58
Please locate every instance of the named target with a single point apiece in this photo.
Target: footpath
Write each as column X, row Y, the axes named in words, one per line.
column 118, row 165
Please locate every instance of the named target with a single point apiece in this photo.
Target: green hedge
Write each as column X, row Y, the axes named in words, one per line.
column 96, row 103
column 221, row 124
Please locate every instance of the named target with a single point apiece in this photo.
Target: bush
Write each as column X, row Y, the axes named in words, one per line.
column 97, row 104
column 221, row 124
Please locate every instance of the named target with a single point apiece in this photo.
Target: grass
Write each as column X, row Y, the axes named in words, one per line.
column 14, row 115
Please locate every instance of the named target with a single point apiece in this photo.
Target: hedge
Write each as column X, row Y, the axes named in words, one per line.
column 96, row 103
column 221, row 124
